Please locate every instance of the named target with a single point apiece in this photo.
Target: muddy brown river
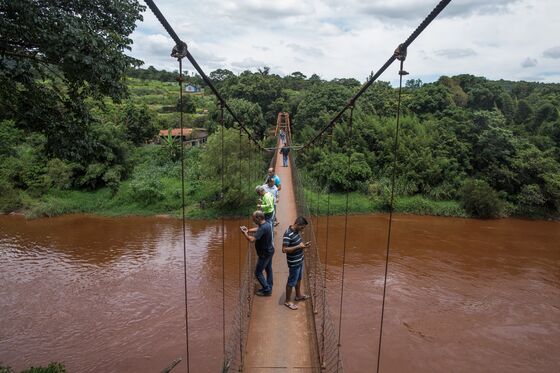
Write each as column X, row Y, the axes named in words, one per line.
column 107, row 294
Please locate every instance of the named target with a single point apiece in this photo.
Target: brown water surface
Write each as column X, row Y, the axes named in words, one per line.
column 463, row 295
column 106, row 294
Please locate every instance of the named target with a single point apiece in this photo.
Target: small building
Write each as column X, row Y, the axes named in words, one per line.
column 189, row 88
column 191, row 136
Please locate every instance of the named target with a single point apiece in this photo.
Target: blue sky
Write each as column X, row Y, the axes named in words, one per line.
column 498, row 39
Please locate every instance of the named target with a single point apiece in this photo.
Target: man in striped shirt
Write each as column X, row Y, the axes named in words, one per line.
column 294, row 247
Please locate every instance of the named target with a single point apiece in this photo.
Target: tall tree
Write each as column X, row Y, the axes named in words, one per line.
column 55, row 54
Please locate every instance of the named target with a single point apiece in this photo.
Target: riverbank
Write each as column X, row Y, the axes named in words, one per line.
column 105, row 202
column 358, row 203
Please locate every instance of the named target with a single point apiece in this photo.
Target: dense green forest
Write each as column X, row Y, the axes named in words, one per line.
column 78, row 119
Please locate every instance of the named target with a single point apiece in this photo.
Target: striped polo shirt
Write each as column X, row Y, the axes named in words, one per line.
column 291, row 239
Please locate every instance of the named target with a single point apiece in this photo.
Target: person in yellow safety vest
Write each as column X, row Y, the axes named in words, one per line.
column 266, row 204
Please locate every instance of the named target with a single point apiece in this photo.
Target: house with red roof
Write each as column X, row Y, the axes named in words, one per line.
column 191, row 136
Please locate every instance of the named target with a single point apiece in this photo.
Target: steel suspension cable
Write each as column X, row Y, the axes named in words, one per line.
column 182, row 50
column 240, row 261
column 222, row 130
column 183, row 212
column 395, row 159
column 326, row 265
column 344, row 255
column 433, row 14
column 316, row 235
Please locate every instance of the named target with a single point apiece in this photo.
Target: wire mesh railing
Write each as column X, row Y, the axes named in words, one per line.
column 238, row 332
column 322, row 323
column 240, row 317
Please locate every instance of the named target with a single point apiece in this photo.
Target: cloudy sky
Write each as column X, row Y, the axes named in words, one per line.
column 498, row 39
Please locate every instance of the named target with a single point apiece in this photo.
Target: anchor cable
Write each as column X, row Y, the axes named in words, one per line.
column 402, row 56
column 183, row 212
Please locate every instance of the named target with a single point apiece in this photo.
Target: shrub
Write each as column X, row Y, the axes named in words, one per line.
column 51, row 368
column 94, row 172
column 9, row 197
column 112, row 178
column 480, row 200
column 59, row 173
column 188, row 105
column 146, row 190
column 343, row 173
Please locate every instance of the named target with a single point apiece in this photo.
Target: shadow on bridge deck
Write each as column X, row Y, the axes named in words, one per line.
column 280, row 339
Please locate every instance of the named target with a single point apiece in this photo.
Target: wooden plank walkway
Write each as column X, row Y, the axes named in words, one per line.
column 280, row 339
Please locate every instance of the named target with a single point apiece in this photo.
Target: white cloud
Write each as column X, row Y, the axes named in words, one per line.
column 248, row 64
column 553, row 52
column 529, row 62
column 350, row 39
column 308, row 51
column 454, row 53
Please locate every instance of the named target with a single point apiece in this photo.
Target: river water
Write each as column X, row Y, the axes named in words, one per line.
column 463, row 295
column 107, row 294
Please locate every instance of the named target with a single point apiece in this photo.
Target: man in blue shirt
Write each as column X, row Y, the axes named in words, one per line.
column 262, row 237
column 276, row 180
column 294, row 247
column 271, row 174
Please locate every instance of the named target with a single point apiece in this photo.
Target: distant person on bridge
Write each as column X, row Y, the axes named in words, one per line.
column 283, row 136
column 262, row 237
column 294, row 248
column 285, row 151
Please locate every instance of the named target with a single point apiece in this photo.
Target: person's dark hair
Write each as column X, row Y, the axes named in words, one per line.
column 269, row 179
column 300, row 220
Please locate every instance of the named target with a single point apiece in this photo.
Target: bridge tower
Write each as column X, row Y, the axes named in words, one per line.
column 283, row 122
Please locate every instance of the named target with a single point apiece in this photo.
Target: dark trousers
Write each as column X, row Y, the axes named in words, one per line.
column 264, row 263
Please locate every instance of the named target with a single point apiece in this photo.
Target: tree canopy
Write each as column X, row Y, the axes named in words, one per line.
column 59, row 59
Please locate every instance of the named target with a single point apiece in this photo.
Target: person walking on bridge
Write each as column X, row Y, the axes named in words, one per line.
column 285, row 151
column 271, row 174
column 266, row 204
column 270, row 187
column 277, row 182
column 283, row 136
column 264, row 246
column 294, row 247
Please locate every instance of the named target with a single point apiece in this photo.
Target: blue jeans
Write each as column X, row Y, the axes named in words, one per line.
column 270, row 218
column 264, row 263
column 285, row 160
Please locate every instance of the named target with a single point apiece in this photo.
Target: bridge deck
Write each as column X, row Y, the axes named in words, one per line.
column 280, row 339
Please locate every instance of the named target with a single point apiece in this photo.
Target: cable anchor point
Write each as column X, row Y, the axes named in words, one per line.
column 400, row 54
column 180, row 50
